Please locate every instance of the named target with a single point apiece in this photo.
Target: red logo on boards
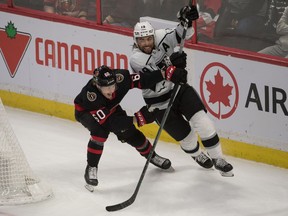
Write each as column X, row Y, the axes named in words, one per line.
column 219, row 90
column 13, row 45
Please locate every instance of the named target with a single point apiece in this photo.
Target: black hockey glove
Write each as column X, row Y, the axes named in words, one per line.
column 188, row 13
column 144, row 116
column 179, row 59
column 176, row 75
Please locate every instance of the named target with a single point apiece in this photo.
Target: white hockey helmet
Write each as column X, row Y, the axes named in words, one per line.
column 143, row 29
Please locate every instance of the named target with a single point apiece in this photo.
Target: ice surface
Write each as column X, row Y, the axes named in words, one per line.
column 56, row 151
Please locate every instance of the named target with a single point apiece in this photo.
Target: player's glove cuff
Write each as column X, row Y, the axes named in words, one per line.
column 176, row 75
column 140, row 118
column 144, row 116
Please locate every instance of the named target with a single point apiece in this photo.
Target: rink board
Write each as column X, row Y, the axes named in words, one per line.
column 46, row 71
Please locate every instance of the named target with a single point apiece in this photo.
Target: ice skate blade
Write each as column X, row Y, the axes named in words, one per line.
column 170, row 169
column 90, row 188
column 227, row 174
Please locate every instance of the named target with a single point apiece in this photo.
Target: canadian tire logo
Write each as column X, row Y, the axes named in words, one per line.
column 219, row 90
column 13, row 46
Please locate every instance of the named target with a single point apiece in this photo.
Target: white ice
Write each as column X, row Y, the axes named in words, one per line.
column 56, row 151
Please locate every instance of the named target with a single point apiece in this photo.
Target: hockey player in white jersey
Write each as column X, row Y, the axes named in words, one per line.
column 154, row 49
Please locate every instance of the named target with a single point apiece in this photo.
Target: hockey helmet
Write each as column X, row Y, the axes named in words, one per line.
column 104, row 76
column 143, row 29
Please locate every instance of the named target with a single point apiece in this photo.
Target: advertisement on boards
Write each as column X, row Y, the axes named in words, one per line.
column 52, row 60
column 247, row 101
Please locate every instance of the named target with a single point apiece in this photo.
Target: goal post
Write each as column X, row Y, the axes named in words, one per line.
column 18, row 183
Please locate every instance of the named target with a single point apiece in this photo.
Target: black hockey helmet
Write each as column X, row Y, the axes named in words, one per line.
column 104, row 76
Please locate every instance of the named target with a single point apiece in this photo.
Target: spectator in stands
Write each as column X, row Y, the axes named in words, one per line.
column 243, row 17
column 127, row 12
column 281, row 46
column 124, row 12
column 73, row 8
column 275, row 11
column 164, row 9
column 208, row 15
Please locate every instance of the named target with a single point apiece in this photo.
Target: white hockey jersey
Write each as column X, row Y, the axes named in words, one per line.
column 165, row 43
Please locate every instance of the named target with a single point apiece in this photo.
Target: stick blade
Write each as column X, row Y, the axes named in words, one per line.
column 122, row 205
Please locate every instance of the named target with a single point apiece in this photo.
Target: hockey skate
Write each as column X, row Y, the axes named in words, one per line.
column 160, row 162
column 91, row 178
column 203, row 160
column 224, row 167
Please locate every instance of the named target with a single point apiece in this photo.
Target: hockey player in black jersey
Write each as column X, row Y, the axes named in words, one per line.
column 97, row 108
column 188, row 117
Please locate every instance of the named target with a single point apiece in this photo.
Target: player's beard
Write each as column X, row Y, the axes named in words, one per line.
column 147, row 49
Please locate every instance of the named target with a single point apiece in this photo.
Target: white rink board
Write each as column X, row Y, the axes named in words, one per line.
column 50, row 82
column 247, row 124
column 256, row 119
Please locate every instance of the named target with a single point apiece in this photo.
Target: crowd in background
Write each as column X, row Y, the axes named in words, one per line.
column 243, row 24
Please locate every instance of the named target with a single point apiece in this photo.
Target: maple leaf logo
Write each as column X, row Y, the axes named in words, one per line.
column 218, row 92
column 13, row 45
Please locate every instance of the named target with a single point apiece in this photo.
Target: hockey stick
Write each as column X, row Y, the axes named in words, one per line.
column 133, row 197
column 185, row 27
column 173, row 96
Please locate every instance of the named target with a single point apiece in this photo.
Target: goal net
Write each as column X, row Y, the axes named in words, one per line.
column 18, row 183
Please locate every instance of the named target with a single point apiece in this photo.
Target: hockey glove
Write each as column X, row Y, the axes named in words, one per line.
column 188, row 14
column 179, row 59
column 144, row 116
column 176, row 75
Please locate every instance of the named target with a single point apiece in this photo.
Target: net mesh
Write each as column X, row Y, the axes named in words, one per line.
column 18, row 183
